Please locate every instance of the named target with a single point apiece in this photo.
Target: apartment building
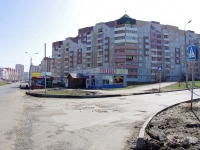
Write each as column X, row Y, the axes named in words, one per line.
column 20, row 71
column 10, row 74
column 127, row 43
column 46, row 64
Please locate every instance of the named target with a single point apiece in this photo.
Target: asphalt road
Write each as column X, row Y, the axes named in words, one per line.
column 76, row 124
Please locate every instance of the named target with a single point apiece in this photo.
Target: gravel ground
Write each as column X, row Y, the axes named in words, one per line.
column 176, row 128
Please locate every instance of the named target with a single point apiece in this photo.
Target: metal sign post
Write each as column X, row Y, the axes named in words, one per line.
column 192, row 57
column 192, row 83
column 159, row 70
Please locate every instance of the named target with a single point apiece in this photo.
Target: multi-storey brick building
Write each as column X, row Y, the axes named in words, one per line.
column 20, row 71
column 126, row 43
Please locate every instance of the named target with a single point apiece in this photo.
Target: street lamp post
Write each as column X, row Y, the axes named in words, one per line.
column 30, row 66
column 186, row 56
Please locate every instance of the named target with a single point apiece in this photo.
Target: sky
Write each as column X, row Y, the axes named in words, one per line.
column 25, row 25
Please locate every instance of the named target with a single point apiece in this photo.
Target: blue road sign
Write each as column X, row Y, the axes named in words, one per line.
column 191, row 53
column 159, row 68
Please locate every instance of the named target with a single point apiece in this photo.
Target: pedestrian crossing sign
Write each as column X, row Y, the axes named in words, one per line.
column 192, row 53
column 159, row 68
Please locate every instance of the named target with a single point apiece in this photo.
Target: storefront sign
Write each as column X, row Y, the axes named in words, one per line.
column 108, row 71
column 121, row 71
column 35, row 74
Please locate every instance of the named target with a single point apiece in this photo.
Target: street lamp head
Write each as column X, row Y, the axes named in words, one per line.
column 190, row 21
column 25, row 52
column 36, row 53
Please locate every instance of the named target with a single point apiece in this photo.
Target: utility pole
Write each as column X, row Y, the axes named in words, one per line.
column 45, row 65
column 186, row 56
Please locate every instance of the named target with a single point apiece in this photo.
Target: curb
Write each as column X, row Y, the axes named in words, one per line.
column 72, row 96
column 95, row 96
column 140, row 140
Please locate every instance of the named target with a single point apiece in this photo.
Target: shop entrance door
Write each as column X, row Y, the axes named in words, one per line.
column 87, row 83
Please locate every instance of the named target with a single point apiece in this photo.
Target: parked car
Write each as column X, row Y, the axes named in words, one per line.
column 23, row 86
column 36, row 86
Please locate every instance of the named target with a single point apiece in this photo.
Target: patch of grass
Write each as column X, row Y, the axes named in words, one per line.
column 128, row 87
column 182, row 86
column 68, row 92
column 2, row 83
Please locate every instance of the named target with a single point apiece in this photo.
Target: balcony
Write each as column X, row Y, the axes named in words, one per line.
column 119, row 41
column 166, row 39
column 99, row 61
column 119, row 27
column 88, row 56
column 99, row 55
column 119, row 53
column 100, row 43
column 126, row 47
column 167, row 56
column 126, row 53
column 119, row 34
column 100, row 32
column 126, row 66
column 132, row 34
column 153, row 67
column 88, row 45
column 165, row 33
column 131, row 67
column 131, row 41
column 120, row 59
column 166, row 44
column 132, row 73
column 88, row 51
column 131, row 27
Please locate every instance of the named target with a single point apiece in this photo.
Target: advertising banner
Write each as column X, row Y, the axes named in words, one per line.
column 35, row 74
column 118, row 79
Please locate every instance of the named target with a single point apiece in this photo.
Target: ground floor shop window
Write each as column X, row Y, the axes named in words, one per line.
column 118, row 79
column 107, row 80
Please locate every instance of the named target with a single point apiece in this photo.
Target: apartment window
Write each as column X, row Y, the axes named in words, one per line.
column 100, row 41
column 88, row 48
column 177, row 61
column 80, row 35
column 107, row 80
column 140, row 46
column 165, row 36
column 177, row 50
column 106, row 41
column 177, row 55
column 140, row 58
column 106, row 46
column 84, row 34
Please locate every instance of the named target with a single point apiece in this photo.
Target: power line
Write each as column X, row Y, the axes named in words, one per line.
column 22, row 31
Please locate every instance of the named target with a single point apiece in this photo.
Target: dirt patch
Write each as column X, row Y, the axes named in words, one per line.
column 176, row 128
column 68, row 92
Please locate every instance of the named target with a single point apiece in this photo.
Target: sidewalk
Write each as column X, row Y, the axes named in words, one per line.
column 140, row 89
column 144, row 89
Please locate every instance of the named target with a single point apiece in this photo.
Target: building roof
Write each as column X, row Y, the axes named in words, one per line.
column 76, row 75
column 125, row 16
